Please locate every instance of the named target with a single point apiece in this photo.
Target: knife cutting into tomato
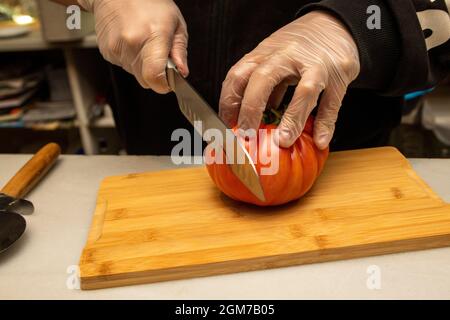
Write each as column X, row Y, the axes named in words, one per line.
column 195, row 108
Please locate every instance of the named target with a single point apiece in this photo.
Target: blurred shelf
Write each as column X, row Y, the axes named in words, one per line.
column 34, row 41
column 83, row 82
column 86, row 75
column 103, row 122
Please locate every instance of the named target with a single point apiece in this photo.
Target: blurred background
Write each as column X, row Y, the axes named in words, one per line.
column 54, row 84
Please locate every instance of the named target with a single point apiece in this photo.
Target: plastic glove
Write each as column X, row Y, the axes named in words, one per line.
column 315, row 52
column 140, row 35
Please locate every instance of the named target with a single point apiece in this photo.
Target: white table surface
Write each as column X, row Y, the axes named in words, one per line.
column 36, row 267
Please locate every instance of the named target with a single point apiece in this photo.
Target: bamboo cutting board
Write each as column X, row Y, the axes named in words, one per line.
column 175, row 224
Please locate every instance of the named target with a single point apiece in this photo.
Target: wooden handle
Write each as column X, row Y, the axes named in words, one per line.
column 30, row 174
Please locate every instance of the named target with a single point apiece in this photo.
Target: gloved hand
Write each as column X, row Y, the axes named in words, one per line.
column 139, row 36
column 317, row 53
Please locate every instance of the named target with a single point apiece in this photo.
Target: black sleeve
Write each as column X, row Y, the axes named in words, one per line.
column 408, row 51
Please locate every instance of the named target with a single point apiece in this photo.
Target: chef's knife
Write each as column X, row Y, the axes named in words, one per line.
column 12, row 204
column 195, row 108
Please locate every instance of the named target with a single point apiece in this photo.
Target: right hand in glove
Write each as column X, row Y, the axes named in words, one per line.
column 139, row 36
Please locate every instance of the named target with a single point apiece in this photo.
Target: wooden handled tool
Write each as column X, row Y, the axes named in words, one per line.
column 30, row 174
column 12, row 204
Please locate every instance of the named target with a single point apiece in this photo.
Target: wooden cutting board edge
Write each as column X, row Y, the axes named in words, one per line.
column 262, row 263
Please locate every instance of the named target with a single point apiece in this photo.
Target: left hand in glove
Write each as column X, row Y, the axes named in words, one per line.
column 315, row 52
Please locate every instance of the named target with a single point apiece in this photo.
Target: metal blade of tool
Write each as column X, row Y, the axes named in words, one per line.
column 195, row 108
column 12, row 226
column 20, row 206
column 12, row 204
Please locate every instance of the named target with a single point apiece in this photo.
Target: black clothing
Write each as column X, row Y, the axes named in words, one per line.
column 394, row 61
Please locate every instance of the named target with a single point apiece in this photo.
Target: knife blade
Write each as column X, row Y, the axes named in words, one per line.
column 195, row 108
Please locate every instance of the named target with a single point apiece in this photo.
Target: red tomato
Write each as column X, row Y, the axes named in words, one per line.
column 299, row 167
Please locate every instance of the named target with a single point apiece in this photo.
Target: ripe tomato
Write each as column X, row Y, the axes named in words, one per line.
column 299, row 167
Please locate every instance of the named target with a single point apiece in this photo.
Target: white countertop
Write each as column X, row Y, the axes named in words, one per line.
column 36, row 267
